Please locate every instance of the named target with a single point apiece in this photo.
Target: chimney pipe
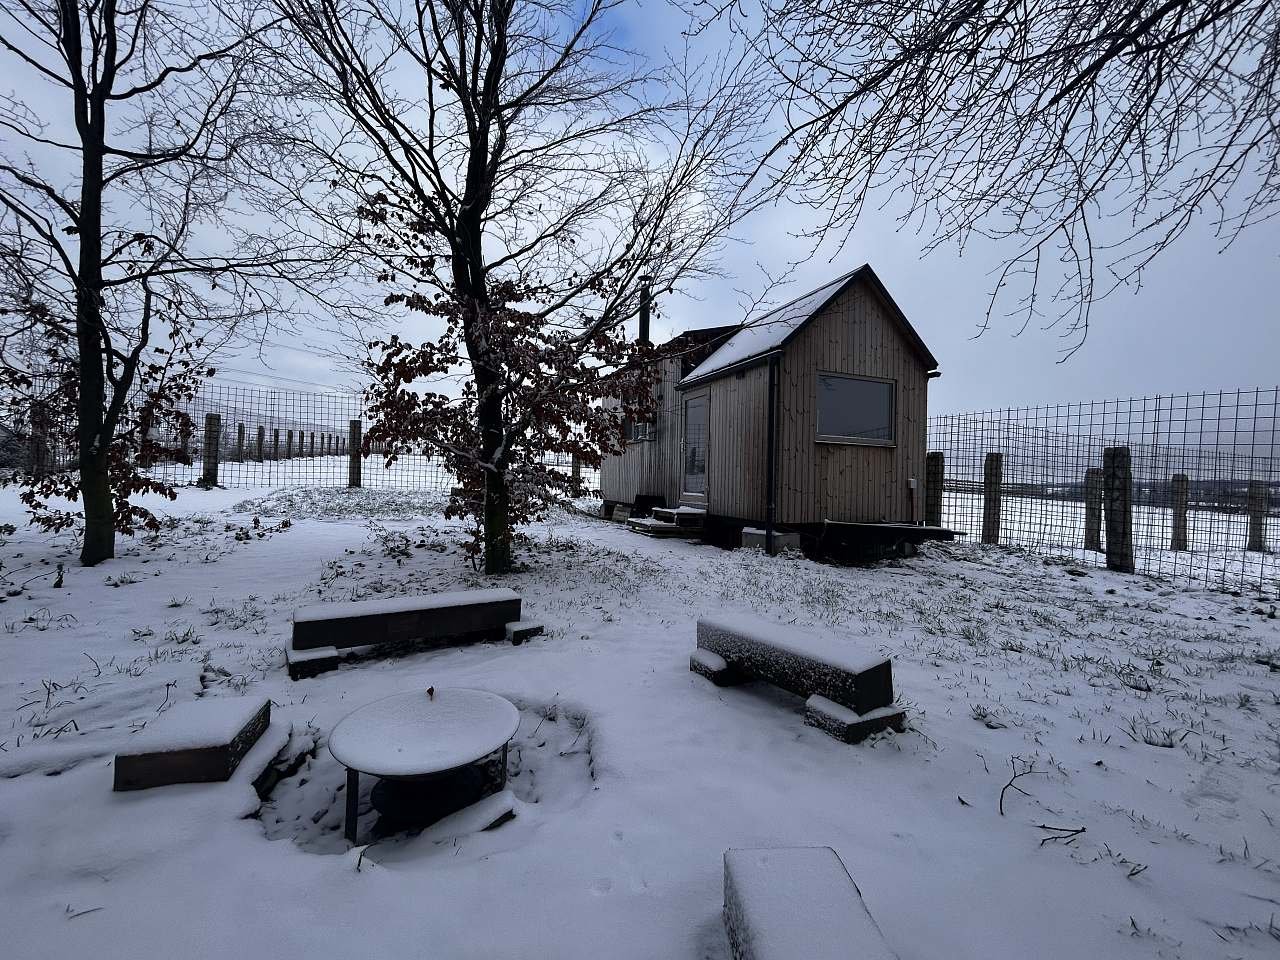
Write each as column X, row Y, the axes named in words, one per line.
column 645, row 304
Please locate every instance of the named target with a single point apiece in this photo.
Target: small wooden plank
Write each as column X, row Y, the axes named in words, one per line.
column 203, row 741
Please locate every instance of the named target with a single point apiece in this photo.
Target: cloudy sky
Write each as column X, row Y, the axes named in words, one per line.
column 1204, row 319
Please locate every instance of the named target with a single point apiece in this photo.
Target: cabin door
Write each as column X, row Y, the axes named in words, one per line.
column 693, row 480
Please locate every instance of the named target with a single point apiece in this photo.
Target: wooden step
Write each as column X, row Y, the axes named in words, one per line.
column 681, row 516
column 661, row 528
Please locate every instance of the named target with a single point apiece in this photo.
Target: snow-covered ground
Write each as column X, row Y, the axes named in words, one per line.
column 1217, row 557
column 1135, row 710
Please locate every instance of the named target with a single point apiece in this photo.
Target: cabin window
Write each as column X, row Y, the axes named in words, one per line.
column 855, row 409
column 633, row 431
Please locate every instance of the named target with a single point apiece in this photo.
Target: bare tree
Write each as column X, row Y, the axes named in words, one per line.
column 512, row 175
column 122, row 146
column 1088, row 135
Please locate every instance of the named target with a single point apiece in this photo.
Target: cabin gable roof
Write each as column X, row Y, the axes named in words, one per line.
column 771, row 332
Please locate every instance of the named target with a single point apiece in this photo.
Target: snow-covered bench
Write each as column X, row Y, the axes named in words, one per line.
column 324, row 633
column 198, row 741
column 850, row 694
column 787, row 903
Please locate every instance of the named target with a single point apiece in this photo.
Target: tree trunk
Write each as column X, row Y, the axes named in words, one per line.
column 497, row 523
column 93, row 440
column 99, row 514
column 497, row 497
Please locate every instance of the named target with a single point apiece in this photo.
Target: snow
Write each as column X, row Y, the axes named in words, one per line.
column 712, row 661
column 839, row 652
column 374, row 608
column 418, row 733
column 762, row 334
column 481, row 815
column 799, row 902
column 634, row 775
column 194, row 724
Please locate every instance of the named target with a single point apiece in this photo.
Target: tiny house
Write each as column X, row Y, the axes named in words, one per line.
column 807, row 418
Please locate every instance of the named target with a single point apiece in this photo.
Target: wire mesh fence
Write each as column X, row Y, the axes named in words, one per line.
column 1195, row 497
column 238, row 436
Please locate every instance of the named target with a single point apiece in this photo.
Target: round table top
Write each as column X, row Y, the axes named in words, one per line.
column 413, row 734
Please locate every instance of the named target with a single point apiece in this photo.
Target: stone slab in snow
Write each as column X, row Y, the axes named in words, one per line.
column 442, row 617
column 519, row 631
column 796, row 660
column 199, row 741
column 797, row 903
column 843, row 724
column 485, row 814
column 714, row 667
column 309, row 663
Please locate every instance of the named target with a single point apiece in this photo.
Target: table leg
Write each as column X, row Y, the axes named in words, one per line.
column 353, row 802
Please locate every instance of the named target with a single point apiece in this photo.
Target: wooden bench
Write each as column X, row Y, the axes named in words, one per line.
column 325, row 633
column 849, row 695
column 787, row 903
column 199, row 741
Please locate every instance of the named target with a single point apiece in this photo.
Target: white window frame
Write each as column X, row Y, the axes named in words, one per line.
column 856, row 441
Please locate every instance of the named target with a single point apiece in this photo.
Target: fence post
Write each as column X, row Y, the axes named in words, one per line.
column 38, row 447
column 262, row 438
column 1257, row 507
column 313, row 443
column 991, row 477
column 288, row 446
column 575, row 469
column 1118, row 486
column 934, row 472
column 240, row 443
column 1178, row 494
column 1093, row 484
column 275, row 443
column 212, row 441
column 353, row 462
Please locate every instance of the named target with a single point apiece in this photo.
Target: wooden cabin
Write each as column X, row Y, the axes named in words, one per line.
column 809, row 416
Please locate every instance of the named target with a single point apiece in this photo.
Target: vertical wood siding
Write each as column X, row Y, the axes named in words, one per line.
column 649, row 467
column 849, row 482
column 816, row 481
column 736, row 444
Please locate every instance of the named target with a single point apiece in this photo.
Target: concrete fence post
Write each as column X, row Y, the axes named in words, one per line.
column 313, row 443
column 1093, row 509
column 288, row 445
column 353, row 462
column 262, row 440
column 1178, row 501
column 934, row 474
column 212, row 441
column 275, row 443
column 575, row 469
column 240, row 443
column 1258, row 507
column 992, row 471
column 1118, row 502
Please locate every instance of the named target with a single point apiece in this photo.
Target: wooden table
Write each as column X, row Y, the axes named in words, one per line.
column 417, row 735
